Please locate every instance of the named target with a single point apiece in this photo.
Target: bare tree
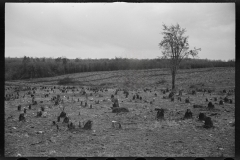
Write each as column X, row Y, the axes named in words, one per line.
column 175, row 48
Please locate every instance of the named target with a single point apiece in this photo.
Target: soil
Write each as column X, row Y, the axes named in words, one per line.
column 141, row 134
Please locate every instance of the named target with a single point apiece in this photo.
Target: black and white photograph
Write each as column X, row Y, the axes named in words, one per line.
column 119, row 79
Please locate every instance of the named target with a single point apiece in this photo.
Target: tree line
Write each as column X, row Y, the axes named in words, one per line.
column 28, row 67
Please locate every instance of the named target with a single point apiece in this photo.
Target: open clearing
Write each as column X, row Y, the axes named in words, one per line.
column 141, row 134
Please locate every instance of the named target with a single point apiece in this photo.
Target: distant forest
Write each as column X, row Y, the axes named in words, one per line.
column 27, row 67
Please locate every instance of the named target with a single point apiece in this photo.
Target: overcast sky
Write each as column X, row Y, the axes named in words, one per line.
column 109, row 30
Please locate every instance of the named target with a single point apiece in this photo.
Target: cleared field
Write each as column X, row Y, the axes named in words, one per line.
column 141, row 134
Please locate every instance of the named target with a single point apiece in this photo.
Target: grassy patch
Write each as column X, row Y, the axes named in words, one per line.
column 162, row 81
column 66, row 81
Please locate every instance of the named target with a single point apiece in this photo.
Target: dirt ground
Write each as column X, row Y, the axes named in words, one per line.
column 141, row 134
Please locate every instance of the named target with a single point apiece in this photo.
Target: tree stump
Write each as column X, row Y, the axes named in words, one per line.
column 221, row 102
column 58, row 118
column 226, row 99
column 197, row 106
column 39, row 113
column 116, row 124
column 115, row 103
column 208, row 123
column 180, row 93
column 112, row 96
column 25, row 110
column 19, row 107
column 66, row 120
column 71, row 126
column 35, row 103
column 171, row 94
column 88, row 125
column 119, row 109
column 188, row 114
column 160, row 114
column 62, row 114
column 210, row 105
column 137, row 96
column 22, row 117
column 201, row 117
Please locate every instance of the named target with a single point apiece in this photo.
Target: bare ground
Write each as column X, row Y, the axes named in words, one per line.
column 141, row 135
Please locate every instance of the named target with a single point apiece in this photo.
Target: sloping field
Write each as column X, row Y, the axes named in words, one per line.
column 141, row 134
column 210, row 77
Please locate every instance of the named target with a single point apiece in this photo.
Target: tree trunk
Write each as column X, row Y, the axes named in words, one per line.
column 173, row 81
column 173, row 78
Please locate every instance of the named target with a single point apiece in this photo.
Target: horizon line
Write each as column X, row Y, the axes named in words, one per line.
column 115, row 58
